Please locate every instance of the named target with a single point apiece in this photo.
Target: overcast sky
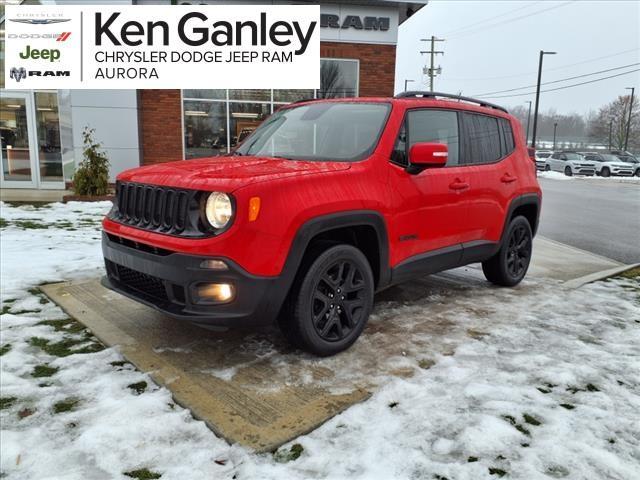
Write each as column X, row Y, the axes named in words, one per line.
column 494, row 45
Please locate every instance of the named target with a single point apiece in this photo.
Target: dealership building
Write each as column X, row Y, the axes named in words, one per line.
column 41, row 130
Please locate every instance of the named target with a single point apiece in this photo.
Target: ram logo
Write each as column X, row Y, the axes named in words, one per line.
column 18, row 73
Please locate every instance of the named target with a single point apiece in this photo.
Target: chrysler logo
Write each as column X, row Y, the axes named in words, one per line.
column 45, row 21
column 18, row 73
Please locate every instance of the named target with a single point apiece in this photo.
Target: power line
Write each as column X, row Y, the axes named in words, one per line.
column 562, row 67
column 566, row 86
column 558, row 81
column 529, row 15
column 466, row 27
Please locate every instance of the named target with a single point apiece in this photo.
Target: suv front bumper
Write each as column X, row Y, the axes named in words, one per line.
column 167, row 281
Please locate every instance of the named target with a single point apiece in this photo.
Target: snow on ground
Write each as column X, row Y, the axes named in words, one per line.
column 561, row 176
column 550, row 389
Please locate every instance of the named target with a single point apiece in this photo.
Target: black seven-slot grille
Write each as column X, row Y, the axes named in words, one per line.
column 168, row 210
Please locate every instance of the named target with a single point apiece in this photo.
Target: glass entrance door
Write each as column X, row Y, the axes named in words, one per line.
column 17, row 141
column 30, row 152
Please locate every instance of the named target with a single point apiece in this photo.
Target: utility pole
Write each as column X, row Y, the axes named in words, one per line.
column 555, row 127
column 535, row 114
column 432, row 71
column 405, row 83
column 626, row 139
column 528, row 120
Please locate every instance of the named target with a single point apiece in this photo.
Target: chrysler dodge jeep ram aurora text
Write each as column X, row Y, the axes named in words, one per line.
column 325, row 203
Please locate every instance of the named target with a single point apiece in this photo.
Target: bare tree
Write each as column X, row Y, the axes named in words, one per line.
column 614, row 117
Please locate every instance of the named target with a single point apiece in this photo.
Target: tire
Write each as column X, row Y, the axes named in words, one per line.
column 638, row 172
column 568, row 172
column 605, row 172
column 547, row 168
column 508, row 267
column 330, row 301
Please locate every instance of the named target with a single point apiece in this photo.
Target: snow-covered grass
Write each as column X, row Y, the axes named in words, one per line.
column 552, row 175
column 549, row 389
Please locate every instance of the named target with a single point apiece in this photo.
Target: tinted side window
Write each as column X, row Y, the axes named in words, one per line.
column 439, row 126
column 481, row 139
column 507, row 133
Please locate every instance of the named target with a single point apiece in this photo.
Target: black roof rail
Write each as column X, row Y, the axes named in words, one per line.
column 421, row 94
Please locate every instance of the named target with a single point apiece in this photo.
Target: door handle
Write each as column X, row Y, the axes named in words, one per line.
column 458, row 185
column 508, row 178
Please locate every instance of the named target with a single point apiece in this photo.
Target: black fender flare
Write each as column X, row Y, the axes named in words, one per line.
column 525, row 199
column 324, row 223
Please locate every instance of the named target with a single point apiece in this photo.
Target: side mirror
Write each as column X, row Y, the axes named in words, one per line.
column 427, row 155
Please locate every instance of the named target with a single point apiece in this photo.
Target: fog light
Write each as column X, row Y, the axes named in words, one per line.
column 214, row 265
column 214, row 292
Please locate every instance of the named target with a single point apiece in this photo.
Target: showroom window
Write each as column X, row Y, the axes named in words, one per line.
column 215, row 121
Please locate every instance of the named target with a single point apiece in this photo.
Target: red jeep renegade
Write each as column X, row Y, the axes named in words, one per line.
column 327, row 202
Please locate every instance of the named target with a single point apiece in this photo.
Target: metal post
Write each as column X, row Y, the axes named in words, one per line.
column 405, row 83
column 610, row 131
column 535, row 114
column 626, row 139
column 555, row 126
column 528, row 121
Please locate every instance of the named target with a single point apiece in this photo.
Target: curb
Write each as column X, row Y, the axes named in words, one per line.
column 594, row 277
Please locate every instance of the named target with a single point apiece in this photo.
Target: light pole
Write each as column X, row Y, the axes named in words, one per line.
column 555, row 127
column 405, row 83
column 626, row 138
column 535, row 114
column 528, row 120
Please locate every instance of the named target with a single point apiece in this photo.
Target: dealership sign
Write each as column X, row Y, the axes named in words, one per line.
column 146, row 46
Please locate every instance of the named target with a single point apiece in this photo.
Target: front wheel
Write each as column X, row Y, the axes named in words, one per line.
column 547, row 168
column 605, row 172
column 330, row 303
column 568, row 172
column 509, row 266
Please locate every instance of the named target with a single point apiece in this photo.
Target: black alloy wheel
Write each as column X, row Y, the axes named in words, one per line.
column 567, row 171
column 330, row 300
column 338, row 300
column 605, row 172
column 518, row 251
column 508, row 267
column 547, row 168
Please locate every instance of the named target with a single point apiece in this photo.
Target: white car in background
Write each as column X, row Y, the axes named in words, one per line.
column 541, row 158
column 608, row 165
column 570, row 163
column 631, row 160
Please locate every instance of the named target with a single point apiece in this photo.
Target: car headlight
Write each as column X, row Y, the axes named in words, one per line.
column 218, row 209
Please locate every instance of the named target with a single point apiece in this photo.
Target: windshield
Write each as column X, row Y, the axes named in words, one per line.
column 543, row 155
column 319, row 131
column 574, row 156
column 629, row 159
column 609, row 158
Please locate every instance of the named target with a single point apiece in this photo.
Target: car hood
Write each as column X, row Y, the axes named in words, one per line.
column 226, row 173
column 618, row 164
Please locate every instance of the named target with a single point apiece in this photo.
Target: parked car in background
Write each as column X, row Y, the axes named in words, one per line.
column 630, row 159
column 570, row 163
column 608, row 165
column 541, row 158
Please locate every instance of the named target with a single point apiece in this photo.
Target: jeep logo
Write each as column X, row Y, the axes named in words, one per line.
column 50, row 54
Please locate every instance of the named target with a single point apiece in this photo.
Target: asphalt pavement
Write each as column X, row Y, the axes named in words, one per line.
column 601, row 216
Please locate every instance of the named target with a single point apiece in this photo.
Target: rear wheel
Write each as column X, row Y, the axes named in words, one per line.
column 330, row 303
column 638, row 172
column 568, row 172
column 547, row 168
column 605, row 172
column 509, row 266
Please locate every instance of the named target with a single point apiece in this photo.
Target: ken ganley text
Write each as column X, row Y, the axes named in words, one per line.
column 133, row 50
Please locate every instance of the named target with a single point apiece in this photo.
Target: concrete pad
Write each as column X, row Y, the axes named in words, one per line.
column 31, row 195
column 251, row 388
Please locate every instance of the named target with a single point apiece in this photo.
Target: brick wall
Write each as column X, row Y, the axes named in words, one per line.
column 161, row 111
column 160, row 125
column 377, row 65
